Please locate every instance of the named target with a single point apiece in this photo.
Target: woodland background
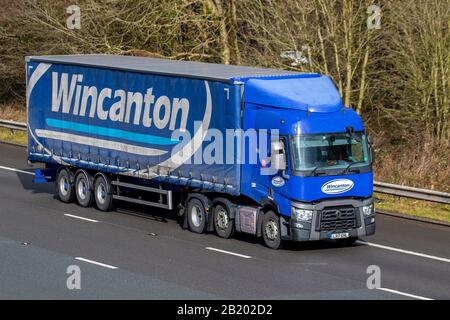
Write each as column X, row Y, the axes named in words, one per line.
column 397, row 77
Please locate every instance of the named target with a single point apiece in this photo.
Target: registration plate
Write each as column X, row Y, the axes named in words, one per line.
column 341, row 235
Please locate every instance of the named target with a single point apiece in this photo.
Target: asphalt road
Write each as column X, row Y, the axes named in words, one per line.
column 146, row 254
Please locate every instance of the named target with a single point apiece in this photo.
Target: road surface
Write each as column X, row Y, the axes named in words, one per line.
column 145, row 254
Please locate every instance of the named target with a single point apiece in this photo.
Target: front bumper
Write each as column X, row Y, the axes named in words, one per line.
column 311, row 231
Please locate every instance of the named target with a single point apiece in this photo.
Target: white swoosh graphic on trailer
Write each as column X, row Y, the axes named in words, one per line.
column 41, row 69
column 99, row 143
column 174, row 161
column 189, row 149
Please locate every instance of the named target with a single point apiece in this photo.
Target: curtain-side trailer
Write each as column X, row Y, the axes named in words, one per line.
column 232, row 149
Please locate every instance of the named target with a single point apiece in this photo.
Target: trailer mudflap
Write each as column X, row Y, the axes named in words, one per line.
column 44, row 175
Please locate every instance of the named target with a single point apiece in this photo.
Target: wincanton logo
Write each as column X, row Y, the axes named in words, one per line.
column 278, row 181
column 72, row 97
column 337, row 186
column 141, row 108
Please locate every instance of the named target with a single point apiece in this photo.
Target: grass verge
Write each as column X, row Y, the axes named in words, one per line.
column 412, row 207
column 19, row 137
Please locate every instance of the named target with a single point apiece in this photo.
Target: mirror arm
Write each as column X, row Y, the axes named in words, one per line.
column 372, row 154
column 285, row 175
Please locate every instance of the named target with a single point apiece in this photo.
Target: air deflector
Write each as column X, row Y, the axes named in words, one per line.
column 313, row 94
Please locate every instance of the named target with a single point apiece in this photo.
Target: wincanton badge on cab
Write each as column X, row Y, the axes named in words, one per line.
column 337, row 186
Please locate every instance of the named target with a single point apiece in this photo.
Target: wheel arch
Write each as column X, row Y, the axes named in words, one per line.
column 228, row 203
column 89, row 177
column 69, row 170
column 269, row 205
column 266, row 206
column 107, row 179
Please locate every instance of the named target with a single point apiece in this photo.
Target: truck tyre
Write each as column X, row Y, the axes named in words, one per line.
column 271, row 230
column 196, row 216
column 64, row 186
column 223, row 224
column 83, row 189
column 102, row 193
column 347, row 242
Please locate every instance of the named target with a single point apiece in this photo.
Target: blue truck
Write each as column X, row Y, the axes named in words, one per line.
column 229, row 149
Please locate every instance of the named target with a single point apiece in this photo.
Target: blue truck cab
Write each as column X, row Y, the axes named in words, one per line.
column 110, row 129
column 324, row 183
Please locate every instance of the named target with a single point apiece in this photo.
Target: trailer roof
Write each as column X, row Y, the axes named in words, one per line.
column 189, row 69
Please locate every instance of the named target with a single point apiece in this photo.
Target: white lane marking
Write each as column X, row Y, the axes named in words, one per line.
column 17, row 170
column 81, row 218
column 95, row 262
column 100, row 143
column 418, row 254
column 405, row 294
column 228, row 252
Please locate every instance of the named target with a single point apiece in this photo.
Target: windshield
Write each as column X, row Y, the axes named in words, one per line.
column 323, row 153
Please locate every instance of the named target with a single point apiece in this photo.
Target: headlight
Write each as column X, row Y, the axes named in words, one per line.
column 302, row 214
column 368, row 210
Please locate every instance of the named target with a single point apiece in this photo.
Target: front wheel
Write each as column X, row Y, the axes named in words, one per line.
column 271, row 231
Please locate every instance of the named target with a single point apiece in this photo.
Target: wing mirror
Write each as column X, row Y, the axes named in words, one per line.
column 278, row 156
column 278, row 161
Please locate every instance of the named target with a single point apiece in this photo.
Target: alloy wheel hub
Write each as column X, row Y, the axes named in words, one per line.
column 271, row 230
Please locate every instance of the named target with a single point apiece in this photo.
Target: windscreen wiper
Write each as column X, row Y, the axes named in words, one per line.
column 315, row 173
column 348, row 168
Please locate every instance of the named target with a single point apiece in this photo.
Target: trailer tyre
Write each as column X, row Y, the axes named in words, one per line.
column 196, row 216
column 271, row 230
column 83, row 189
column 64, row 186
column 223, row 224
column 102, row 195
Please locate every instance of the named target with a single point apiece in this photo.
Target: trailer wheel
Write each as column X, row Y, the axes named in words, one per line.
column 64, row 187
column 223, row 224
column 196, row 216
column 102, row 195
column 83, row 189
column 271, row 230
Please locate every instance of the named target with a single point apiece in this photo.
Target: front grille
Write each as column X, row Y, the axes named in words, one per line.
column 338, row 213
column 336, row 225
column 337, row 218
